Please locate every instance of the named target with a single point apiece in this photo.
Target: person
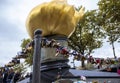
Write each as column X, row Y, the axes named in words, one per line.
column 30, row 77
column 17, row 76
column 1, row 77
column 98, row 61
column 27, row 75
column 5, row 75
column 10, row 76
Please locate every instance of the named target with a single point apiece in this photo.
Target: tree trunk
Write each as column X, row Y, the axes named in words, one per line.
column 83, row 60
column 113, row 49
column 83, row 63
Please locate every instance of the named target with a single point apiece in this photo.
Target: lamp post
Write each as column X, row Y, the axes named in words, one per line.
column 36, row 77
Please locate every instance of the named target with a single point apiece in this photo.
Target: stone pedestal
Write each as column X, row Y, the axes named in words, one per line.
column 52, row 66
column 48, row 54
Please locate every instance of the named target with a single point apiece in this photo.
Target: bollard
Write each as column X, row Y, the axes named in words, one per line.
column 36, row 76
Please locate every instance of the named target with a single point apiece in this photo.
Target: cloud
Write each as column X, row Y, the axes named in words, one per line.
column 9, row 31
column 107, row 51
column 8, row 50
column 88, row 4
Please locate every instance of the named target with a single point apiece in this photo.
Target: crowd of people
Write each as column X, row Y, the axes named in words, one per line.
column 8, row 75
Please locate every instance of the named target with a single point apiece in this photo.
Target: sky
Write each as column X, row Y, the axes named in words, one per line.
column 12, row 26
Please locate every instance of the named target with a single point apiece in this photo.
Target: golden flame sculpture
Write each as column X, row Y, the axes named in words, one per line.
column 55, row 17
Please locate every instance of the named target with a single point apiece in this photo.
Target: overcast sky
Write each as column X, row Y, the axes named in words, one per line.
column 12, row 26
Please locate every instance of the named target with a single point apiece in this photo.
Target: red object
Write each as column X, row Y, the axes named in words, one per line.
column 98, row 61
column 118, row 71
column 64, row 51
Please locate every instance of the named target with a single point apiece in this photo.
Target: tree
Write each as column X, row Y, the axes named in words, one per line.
column 109, row 10
column 29, row 59
column 24, row 43
column 20, row 67
column 88, row 34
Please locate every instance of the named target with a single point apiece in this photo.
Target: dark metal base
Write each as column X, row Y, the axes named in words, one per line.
column 51, row 71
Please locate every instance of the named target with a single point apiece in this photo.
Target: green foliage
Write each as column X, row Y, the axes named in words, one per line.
column 110, row 9
column 88, row 34
column 110, row 12
column 20, row 68
column 24, row 43
column 29, row 59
